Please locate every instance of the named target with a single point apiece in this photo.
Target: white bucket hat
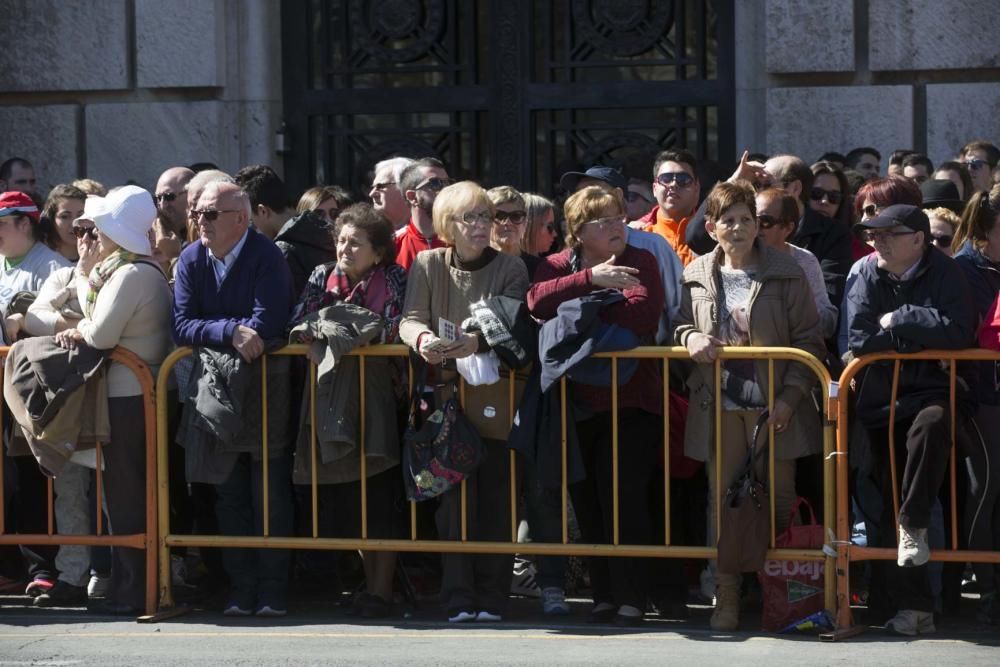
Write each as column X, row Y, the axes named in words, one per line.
column 126, row 217
column 93, row 205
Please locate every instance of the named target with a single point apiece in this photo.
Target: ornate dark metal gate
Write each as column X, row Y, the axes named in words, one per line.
column 504, row 91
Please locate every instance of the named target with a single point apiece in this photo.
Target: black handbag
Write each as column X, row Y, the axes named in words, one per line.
column 745, row 529
column 440, row 449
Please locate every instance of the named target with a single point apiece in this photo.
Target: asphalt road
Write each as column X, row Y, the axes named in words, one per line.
column 61, row 637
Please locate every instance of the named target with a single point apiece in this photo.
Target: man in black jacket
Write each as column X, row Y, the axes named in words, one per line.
column 824, row 237
column 912, row 298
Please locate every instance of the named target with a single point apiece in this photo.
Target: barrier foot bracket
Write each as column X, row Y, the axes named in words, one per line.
column 843, row 633
column 164, row 614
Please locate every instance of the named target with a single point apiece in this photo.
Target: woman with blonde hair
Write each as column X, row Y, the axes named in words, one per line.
column 442, row 285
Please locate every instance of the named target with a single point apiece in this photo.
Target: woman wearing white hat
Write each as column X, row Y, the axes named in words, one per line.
column 125, row 302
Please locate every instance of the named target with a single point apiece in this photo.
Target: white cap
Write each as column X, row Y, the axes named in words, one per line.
column 126, row 215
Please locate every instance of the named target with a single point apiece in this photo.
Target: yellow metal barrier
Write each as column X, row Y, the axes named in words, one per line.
column 167, row 539
column 145, row 541
column 848, row 552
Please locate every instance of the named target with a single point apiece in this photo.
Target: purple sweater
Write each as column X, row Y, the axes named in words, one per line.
column 257, row 293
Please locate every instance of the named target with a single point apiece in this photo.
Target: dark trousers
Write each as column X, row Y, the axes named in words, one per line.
column 617, row 580
column 922, row 445
column 479, row 582
column 258, row 576
column 26, row 503
column 543, row 511
column 982, row 507
column 125, row 493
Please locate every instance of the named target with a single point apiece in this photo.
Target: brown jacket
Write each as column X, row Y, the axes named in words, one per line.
column 782, row 314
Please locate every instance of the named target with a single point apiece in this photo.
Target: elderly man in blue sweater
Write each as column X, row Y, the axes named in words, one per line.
column 233, row 290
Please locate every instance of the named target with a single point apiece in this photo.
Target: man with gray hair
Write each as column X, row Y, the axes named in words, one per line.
column 233, row 292
column 385, row 193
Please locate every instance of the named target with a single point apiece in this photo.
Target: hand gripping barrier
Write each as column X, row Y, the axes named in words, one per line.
column 167, row 539
column 848, row 552
column 146, row 541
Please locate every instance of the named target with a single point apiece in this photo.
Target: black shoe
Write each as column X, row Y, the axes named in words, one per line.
column 673, row 611
column 109, row 608
column 375, row 607
column 623, row 621
column 62, row 594
column 602, row 615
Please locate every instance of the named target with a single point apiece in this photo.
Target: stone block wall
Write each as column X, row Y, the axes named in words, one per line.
column 118, row 90
column 834, row 75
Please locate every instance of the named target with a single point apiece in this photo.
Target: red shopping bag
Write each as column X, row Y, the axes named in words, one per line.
column 793, row 589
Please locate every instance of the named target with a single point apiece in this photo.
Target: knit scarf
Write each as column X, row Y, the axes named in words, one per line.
column 101, row 273
column 380, row 292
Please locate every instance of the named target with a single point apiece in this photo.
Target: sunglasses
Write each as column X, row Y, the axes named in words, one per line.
column 768, row 221
column 81, row 232
column 513, row 217
column 678, row 178
column 942, row 240
column 832, row 196
column 165, row 196
column 871, row 210
column 434, row 184
column 382, row 187
column 974, row 164
column 211, row 216
column 632, row 196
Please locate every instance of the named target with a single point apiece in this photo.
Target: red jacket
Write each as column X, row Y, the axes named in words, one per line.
column 989, row 332
column 555, row 282
column 409, row 242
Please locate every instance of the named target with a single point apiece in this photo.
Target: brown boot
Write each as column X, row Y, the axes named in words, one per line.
column 726, row 616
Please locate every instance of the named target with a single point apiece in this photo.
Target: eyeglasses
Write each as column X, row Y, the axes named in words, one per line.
column 679, row 178
column 513, row 217
column 767, row 221
column 942, row 240
column 470, row 218
column 434, row 184
column 211, row 216
column 877, row 235
column 80, row 232
column 631, row 196
column 605, row 224
column 871, row 210
column 382, row 187
column 832, row 196
column 165, row 196
column 974, row 164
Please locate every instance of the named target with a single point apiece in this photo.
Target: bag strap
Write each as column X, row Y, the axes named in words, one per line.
column 418, row 385
column 755, row 452
column 799, row 501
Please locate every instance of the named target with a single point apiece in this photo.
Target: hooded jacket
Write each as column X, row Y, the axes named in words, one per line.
column 932, row 310
column 782, row 313
column 306, row 241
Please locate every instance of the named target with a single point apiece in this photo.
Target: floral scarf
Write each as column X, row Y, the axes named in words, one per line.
column 101, row 273
column 381, row 292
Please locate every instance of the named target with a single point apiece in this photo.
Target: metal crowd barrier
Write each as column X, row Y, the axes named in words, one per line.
column 145, row 541
column 168, row 539
column 848, row 552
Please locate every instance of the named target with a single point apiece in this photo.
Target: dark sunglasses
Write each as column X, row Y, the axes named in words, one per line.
column 679, row 178
column 434, row 184
column 165, row 196
column 211, row 216
column 871, row 210
column 832, row 196
column 513, row 217
column 974, row 163
column 942, row 240
column 767, row 221
column 80, row 232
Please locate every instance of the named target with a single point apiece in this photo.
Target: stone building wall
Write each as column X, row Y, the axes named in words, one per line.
column 814, row 76
column 120, row 89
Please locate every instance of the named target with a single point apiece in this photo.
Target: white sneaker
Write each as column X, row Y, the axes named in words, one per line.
column 97, row 587
column 910, row 623
column 462, row 617
column 488, row 617
column 554, row 602
column 913, row 549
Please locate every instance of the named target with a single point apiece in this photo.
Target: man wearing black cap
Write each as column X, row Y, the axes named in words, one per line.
column 911, row 298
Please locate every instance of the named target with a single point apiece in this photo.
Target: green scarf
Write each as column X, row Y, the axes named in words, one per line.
column 101, row 273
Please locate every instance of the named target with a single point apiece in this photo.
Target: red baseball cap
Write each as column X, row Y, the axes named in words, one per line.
column 13, row 202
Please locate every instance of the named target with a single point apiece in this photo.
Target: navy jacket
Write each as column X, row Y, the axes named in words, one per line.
column 257, row 293
column 933, row 311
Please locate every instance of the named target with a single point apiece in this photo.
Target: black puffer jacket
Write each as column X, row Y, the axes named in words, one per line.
column 933, row 311
column 306, row 241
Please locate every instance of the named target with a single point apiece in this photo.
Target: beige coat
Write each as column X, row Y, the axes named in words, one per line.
column 782, row 314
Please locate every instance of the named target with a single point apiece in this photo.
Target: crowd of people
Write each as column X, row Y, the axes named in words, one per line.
column 831, row 258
